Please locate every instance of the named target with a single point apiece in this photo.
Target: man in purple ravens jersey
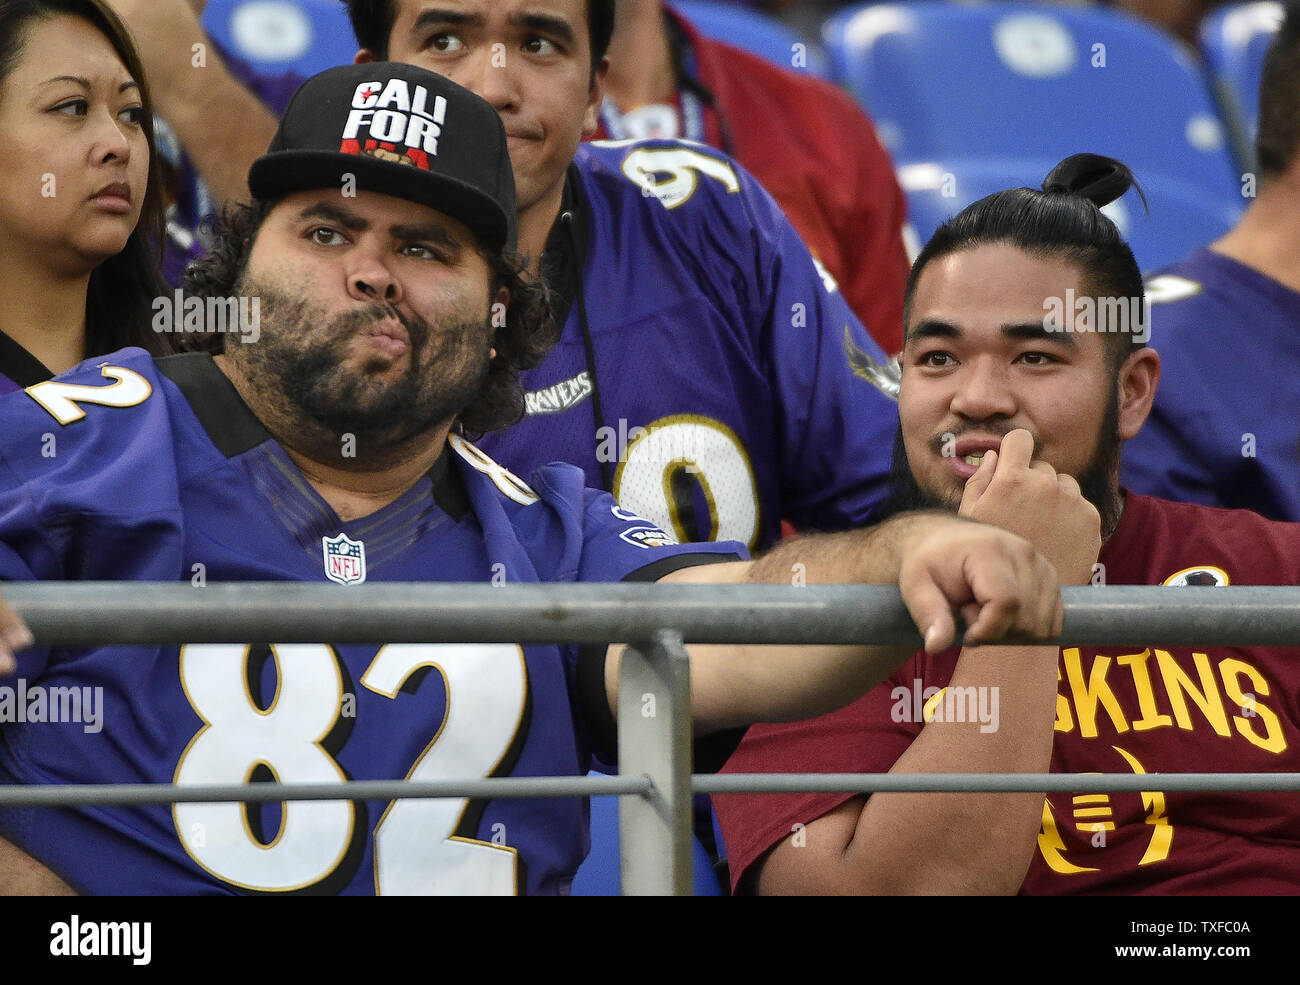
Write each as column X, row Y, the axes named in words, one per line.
column 709, row 372
column 1225, row 429
column 380, row 247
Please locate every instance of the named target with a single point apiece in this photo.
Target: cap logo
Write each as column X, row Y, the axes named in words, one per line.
column 396, row 123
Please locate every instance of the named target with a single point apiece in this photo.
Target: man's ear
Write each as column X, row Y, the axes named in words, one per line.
column 595, row 99
column 364, row 56
column 1138, row 378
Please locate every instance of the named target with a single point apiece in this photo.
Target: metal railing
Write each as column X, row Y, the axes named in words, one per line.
column 658, row 621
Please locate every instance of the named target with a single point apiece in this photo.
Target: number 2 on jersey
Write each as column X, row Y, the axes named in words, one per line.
column 63, row 400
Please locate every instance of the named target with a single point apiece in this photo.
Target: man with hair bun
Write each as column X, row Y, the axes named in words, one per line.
column 1225, row 428
column 1003, row 408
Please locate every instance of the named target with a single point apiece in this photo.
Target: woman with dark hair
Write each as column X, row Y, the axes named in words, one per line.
column 80, row 207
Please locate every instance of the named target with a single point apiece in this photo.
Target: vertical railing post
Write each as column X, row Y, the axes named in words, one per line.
column 654, row 738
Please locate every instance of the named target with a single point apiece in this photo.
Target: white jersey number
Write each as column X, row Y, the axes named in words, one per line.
column 486, row 686
column 416, row 850
column 63, row 400
column 672, row 175
column 661, row 467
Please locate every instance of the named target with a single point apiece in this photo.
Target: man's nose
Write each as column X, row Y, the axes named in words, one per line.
column 984, row 392
column 370, row 279
column 491, row 75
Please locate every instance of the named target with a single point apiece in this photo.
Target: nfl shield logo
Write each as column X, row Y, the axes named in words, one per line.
column 345, row 559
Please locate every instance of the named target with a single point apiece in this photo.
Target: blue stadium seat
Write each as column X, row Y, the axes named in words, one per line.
column 281, row 36
column 599, row 874
column 754, row 32
column 1233, row 41
column 964, row 90
column 1180, row 217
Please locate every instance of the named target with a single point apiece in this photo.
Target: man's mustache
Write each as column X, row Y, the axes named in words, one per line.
column 999, row 431
column 376, row 311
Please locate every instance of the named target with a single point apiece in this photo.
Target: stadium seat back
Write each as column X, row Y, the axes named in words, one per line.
column 1028, row 82
column 1234, row 40
column 600, row 874
column 1180, row 219
column 281, row 36
column 755, row 33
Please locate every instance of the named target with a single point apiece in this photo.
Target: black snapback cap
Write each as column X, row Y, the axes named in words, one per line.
column 398, row 130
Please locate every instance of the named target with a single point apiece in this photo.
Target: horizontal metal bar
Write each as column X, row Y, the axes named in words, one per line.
column 84, row 614
column 158, row 793
column 995, row 782
column 510, row 788
column 92, row 613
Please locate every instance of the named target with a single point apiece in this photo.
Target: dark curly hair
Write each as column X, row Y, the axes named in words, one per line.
column 528, row 333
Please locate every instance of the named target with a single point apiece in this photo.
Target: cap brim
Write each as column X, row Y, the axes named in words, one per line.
column 282, row 172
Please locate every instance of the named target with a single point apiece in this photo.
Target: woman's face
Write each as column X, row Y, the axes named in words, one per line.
column 74, row 153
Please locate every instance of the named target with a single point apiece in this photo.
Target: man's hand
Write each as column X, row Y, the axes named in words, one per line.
column 14, row 636
column 1031, row 499
column 999, row 583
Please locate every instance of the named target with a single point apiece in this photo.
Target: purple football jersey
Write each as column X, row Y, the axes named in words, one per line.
column 709, row 373
column 169, row 470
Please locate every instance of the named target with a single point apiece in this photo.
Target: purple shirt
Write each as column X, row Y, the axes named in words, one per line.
column 1225, row 427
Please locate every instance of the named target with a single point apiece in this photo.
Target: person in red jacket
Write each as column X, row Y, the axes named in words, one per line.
column 804, row 139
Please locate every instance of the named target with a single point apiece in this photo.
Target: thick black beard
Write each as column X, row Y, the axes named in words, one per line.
column 1099, row 480
column 447, row 370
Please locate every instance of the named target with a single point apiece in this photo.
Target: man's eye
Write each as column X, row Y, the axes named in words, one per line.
column 541, row 46
column 324, row 236
column 1037, row 358
column 446, row 42
column 73, row 107
column 421, row 252
column 938, row 360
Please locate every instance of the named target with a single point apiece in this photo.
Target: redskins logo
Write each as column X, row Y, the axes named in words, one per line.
column 1203, row 576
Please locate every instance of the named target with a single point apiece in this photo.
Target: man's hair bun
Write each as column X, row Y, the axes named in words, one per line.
column 1101, row 180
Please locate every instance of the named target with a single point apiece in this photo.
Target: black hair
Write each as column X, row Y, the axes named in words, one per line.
column 1062, row 220
column 120, row 299
column 522, row 339
column 1278, row 139
column 372, row 23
